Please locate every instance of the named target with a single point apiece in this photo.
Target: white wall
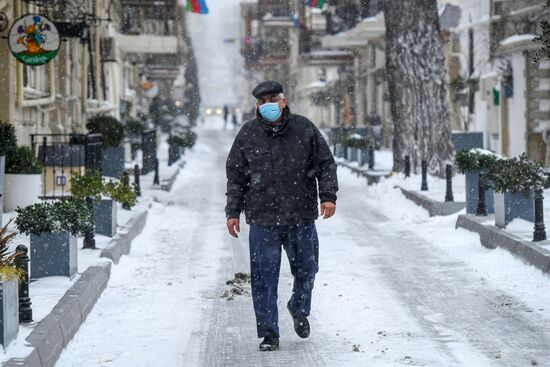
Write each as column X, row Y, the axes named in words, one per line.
column 517, row 107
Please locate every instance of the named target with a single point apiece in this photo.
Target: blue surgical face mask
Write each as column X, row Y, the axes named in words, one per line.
column 270, row 111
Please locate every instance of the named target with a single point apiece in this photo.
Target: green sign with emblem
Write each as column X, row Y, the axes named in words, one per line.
column 34, row 40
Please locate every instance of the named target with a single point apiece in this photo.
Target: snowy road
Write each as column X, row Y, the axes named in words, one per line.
column 383, row 297
column 389, row 292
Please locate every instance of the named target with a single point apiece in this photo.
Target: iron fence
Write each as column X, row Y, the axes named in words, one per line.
column 62, row 155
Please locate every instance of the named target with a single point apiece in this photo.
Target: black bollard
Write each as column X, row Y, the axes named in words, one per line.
column 481, row 206
column 137, row 187
column 449, row 175
column 540, row 231
column 424, row 186
column 407, row 166
column 371, row 156
column 89, row 237
column 156, row 179
column 125, row 179
column 22, row 263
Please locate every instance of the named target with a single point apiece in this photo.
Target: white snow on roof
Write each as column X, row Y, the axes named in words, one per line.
column 517, row 38
column 317, row 84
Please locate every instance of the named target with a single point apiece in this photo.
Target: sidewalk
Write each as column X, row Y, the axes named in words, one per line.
column 49, row 294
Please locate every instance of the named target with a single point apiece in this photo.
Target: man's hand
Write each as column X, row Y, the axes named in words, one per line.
column 328, row 209
column 233, row 226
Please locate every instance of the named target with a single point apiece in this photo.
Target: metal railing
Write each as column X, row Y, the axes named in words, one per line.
column 62, row 155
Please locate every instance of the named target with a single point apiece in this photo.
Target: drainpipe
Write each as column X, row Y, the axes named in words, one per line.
column 84, row 77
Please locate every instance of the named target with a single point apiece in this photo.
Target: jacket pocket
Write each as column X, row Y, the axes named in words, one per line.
column 259, row 161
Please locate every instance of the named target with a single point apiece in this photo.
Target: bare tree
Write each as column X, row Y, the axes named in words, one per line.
column 415, row 69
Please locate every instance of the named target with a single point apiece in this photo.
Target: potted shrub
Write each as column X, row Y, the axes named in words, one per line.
column 353, row 144
column 514, row 181
column 471, row 163
column 105, row 196
column 22, row 180
column 133, row 130
column 53, row 228
column 9, row 290
column 113, row 153
column 8, row 142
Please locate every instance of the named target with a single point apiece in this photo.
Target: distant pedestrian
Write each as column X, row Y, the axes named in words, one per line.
column 225, row 116
column 234, row 120
column 273, row 169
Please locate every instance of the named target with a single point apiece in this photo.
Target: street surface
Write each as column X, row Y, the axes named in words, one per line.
column 383, row 297
column 386, row 295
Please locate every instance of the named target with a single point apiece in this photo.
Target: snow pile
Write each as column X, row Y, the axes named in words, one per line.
column 239, row 286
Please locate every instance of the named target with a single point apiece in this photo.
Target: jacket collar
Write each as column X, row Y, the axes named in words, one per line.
column 272, row 129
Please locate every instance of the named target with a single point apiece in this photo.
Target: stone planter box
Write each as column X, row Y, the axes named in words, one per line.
column 364, row 157
column 340, row 151
column 2, row 170
column 105, row 217
column 353, row 154
column 512, row 205
column 53, row 254
column 112, row 164
column 21, row 190
column 467, row 140
column 9, row 311
column 472, row 194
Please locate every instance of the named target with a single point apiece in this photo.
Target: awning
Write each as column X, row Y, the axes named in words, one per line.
column 368, row 30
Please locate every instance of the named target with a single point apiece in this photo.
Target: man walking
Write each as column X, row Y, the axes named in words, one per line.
column 274, row 167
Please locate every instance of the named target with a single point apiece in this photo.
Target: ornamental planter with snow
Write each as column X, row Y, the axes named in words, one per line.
column 512, row 205
column 21, row 190
column 340, row 149
column 105, row 217
column 53, row 254
column 112, row 164
column 353, row 154
column 472, row 194
column 514, row 181
column 9, row 311
column 364, row 157
column 52, row 227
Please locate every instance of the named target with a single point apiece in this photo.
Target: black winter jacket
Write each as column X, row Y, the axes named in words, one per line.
column 272, row 174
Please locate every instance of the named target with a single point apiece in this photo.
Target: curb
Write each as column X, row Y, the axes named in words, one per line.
column 121, row 244
column 55, row 331
column 373, row 177
column 492, row 237
column 435, row 208
column 167, row 184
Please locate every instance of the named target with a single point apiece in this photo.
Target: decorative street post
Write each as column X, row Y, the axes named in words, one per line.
column 137, row 187
column 126, row 182
column 407, row 166
column 25, row 310
column 540, row 231
column 156, row 179
column 449, row 175
column 424, row 186
column 89, row 237
column 371, row 156
column 481, row 206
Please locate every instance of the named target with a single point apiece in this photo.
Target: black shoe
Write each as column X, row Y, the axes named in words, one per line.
column 301, row 325
column 269, row 344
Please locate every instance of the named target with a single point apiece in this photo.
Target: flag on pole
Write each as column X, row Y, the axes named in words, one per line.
column 315, row 3
column 197, row 6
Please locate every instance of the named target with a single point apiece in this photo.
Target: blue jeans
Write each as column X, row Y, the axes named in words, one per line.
column 302, row 249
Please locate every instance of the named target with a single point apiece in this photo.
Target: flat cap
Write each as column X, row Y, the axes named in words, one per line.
column 267, row 87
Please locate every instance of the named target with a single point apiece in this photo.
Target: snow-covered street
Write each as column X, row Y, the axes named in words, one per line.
column 395, row 287
column 384, row 296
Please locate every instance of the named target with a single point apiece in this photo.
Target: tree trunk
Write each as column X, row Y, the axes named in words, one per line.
column 415, row 69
